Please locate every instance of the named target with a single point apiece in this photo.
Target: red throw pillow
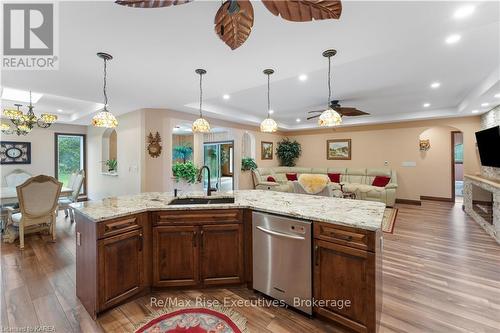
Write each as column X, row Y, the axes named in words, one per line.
column 381, row 181
column 291, row 176
column 271, row 179
column 334, row 177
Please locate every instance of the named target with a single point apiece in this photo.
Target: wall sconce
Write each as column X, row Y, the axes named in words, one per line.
column 424, row 145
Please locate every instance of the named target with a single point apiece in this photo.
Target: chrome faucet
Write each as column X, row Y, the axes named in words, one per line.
column 200, row 177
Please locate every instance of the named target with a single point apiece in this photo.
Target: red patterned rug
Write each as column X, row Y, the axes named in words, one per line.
column 195, row 320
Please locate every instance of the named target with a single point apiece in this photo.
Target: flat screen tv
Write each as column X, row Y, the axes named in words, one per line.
column 488, row 143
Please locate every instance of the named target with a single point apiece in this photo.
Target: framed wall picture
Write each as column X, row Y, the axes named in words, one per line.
column 266, row 150
column 338, row 149
column 12, row 152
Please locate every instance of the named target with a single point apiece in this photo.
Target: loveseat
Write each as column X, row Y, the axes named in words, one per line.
column 357, row 180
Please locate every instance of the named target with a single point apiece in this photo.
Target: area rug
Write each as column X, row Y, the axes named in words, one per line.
column 194, row 320
column 389, row 220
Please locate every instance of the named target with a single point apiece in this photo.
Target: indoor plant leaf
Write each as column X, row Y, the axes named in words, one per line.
column 305, row 10
column 151, row 3
column 234, row 28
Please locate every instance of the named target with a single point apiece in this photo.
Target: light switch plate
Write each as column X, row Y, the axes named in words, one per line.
column 409, row 164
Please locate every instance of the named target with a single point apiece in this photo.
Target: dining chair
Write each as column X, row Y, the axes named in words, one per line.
column 37, row 204
column 16, row 177
column 76, row 183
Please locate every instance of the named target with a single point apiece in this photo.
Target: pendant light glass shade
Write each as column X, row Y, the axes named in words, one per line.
column 201, row 125
column 105, row 118
column 12, row 114
column 329, row 118
column 268, row 125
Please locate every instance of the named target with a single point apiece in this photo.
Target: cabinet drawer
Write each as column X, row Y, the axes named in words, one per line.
column 194, row 217
column 358, row 238
column 117, row 226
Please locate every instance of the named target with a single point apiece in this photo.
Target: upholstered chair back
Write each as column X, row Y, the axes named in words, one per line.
column 38, row 196
column 17, row 177
column 77, row 186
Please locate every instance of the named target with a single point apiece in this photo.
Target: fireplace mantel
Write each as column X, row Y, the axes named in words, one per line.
column 490, row 185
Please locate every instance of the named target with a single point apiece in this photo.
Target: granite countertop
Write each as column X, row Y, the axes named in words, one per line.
column 352, row 213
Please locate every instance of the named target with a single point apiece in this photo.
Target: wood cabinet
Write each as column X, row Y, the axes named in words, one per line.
column 175, row 256
column 191, row 249
column 222, row 258
column 121, row 267
column 345, row 279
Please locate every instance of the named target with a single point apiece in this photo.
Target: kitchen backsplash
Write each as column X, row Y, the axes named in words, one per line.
column 490, row 119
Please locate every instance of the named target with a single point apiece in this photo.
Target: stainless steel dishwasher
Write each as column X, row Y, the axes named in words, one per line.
column 282, row 259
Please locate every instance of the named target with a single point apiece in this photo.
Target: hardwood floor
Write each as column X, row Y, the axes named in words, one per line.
column 441, row 274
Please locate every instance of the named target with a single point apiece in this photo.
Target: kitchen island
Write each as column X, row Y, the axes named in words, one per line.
column 129, row 245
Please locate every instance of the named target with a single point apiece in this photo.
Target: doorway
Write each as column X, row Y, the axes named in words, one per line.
column 219, row 157
column 457, row 166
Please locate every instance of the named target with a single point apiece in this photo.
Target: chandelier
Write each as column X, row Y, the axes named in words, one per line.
column 105, row 118
column 23, row 123
column 268, row 125
column 329, row 117
column 201, row 125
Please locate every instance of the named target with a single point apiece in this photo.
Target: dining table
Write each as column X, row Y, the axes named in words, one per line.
column 8, row 195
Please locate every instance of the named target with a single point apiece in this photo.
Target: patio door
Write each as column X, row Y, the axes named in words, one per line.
column 219, row 157
column 70, row 154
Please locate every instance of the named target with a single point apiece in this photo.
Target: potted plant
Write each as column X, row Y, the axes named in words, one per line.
column 112, row 165
column 288, row 151
column 246, row 180
column 184, row 175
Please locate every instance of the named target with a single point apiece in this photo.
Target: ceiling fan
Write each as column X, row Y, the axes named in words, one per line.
column 343, row 111
column 234, row 19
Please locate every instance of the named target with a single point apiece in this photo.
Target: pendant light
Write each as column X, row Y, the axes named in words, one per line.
column 201, row 125
column 329, row 117
column 268, row 125
column 105, row 118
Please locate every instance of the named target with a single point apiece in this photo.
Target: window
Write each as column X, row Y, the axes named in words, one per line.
column 459, row 153
column 69, row 157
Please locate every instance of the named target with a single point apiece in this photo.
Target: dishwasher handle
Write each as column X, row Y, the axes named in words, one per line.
column 279, row 234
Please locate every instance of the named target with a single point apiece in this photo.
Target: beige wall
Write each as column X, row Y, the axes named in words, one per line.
column 42, row 149
column 396, row 143
column 130, row 147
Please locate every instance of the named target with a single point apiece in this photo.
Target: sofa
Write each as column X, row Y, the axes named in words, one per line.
column 357, row 180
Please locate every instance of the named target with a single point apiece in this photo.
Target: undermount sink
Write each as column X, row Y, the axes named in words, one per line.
column 201, row 201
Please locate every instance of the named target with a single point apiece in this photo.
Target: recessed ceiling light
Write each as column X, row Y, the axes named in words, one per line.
column 435, row 85
column 226, row 96
column 302, row 77
column 59, row 110
column 271, row 111
column 426, row 105
column 497, row 95
column 20, row 95
column 485, row 104
column 464, row 11
column 475, row 111
column 452, row 39
column 297, row 120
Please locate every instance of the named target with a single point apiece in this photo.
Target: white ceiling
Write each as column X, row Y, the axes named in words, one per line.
column 388, row 55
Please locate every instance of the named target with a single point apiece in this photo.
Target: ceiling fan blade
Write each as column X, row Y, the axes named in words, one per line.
column 151, row 3
column 318, row 111
column 350, row 112
column 234, row 28
column 312, row 117
column 304, row 10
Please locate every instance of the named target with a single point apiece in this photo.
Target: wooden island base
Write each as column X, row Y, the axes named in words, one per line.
column 120, row 259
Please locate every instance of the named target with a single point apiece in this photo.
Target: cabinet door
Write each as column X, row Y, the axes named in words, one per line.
column 175, row 256
column 121, row 263
column 221, row 254
column 344, row 274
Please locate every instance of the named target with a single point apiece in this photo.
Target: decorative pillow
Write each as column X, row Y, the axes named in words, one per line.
column 334, row 177
column 291, row 176
column 271, row 179
column 381, row 181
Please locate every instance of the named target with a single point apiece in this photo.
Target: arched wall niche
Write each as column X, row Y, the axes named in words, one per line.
column 109, row 149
